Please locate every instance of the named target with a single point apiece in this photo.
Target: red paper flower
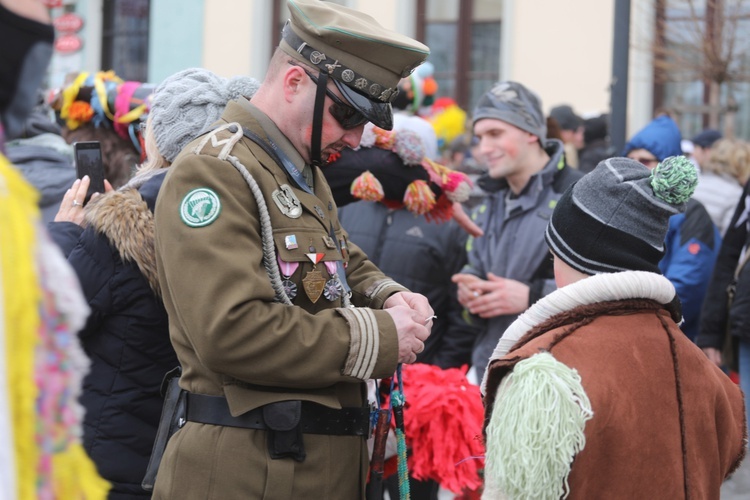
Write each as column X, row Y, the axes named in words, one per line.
column 80, row 111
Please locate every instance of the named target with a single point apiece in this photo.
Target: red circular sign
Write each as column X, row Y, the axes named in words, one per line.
column 68, row 43
column 68, row 23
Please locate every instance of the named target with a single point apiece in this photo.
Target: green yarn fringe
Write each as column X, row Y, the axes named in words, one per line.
column 674, row 180
column 535, row 431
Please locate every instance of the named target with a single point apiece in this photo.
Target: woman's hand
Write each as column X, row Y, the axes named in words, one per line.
column 71, row 207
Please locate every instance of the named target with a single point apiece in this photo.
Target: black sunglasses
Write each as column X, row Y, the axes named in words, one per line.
column 347, row 116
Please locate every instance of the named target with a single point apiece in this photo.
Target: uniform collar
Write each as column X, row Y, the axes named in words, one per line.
column 274, row 134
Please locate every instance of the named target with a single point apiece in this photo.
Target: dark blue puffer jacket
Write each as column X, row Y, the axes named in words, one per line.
column 126, row 336
column 692, row 242
column 692, row 245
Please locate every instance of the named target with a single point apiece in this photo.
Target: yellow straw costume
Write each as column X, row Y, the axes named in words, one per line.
column 64, row 470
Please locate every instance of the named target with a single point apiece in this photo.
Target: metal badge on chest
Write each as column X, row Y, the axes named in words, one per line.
column 287, row 201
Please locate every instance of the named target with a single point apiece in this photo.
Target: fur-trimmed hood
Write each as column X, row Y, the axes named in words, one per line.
column 125, row 219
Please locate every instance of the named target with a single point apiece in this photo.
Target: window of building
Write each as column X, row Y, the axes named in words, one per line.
column 702, row 64
column 125, row 38
column 464, row 41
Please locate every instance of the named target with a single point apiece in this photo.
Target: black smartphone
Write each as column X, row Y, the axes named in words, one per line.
column 88, row 159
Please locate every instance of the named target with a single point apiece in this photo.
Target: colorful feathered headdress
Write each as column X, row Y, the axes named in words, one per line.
column 105, row 100
column 391, row 167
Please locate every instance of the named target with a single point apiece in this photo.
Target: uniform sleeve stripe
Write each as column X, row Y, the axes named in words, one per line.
column 363, row 364
column 381, row 285
column 365, row 342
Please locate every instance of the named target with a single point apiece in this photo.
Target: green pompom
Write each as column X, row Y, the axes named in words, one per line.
column 674, row 180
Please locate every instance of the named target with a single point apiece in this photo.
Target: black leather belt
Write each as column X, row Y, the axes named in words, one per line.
column 315, row 418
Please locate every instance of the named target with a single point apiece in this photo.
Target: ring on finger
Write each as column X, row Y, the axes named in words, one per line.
column 76, row 203
column 475, row 293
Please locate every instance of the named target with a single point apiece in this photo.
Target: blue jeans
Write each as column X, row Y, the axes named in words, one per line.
column 744, row 362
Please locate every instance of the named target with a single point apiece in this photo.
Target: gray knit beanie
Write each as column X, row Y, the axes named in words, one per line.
column 617, row 216
column 189, row 101
column 513, row 103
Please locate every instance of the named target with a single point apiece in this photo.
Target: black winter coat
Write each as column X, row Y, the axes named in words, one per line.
column 714, row 317
column 126, row 336
column 421, row 256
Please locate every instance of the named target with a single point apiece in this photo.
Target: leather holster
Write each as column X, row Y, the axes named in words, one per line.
column 284, row 433
column 173, row 415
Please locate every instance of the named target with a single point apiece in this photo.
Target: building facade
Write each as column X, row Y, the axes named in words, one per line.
column 561, row 49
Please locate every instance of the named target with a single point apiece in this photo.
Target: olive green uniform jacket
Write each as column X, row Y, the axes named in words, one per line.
column 234, row 338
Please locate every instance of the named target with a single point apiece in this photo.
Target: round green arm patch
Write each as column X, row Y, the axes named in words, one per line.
column 200, row 207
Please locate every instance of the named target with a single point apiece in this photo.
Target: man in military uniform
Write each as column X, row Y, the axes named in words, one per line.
column 277, row 319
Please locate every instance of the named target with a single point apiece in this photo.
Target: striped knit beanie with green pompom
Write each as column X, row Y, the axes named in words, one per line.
column 616, row 217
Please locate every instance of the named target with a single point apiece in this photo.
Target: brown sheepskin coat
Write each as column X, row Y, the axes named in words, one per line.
column 667, row 423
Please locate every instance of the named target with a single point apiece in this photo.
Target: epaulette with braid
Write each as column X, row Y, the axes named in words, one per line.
column 224, row 137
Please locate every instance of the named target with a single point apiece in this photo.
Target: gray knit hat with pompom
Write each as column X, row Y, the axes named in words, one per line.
column 617, row 216
column 189, row 101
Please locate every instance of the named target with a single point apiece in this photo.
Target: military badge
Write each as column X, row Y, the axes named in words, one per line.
column 287, row 201
column 290, row 288
column 290, row 242
column 388, row 95
column 313, row 283
column 344, row 249
column 329, row 242
column 332, row 67
column 315, row 257
column 317, row 57
column 200, row 207
column 361, row 83
column 287, row 269
column 333, row 289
